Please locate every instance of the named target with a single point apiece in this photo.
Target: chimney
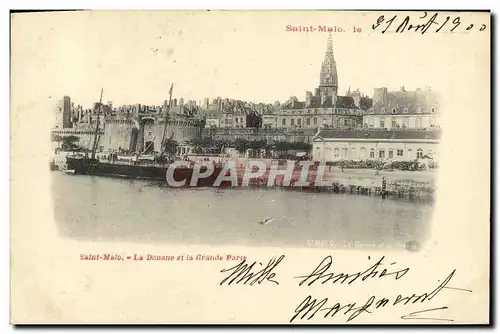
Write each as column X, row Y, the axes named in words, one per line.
column 402, row 88
column 308, row 99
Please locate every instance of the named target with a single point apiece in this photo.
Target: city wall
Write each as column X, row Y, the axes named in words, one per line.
column 85, row 136
column 147, row 133
column 130, row 134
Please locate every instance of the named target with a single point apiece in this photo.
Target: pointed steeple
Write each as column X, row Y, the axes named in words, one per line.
column 328, row 83
column 329, row 45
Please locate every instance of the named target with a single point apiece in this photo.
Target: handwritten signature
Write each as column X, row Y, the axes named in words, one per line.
column 424, row 24
column 320, row 273
column 242, row 273
column 310, row 308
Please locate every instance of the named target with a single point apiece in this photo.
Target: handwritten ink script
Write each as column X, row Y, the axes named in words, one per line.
column 425, row 23
column 243, row 273
column 311, row 307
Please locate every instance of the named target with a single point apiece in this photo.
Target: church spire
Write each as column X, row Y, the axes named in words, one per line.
column 328, row 82
column 329, row 46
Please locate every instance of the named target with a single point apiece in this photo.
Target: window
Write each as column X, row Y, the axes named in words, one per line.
column 236, row 121
column 393, row 110
column 336, row 152
column 362, row 152
column 419, row 154
column 283, row 121
column 399, row 153
column 432, row 110
column 315, row 121
column 405, row 110
column 391, row 154
column 394, row 124
column 418, row 123
column 353, row 153
column 150, row 133
column 226, row 121
column 382, row 123
column 308, row 121
column 292, row 122
column 344, row 153
column 346, row 123
column 381, row 154
column 372, row 153
column 299, row 122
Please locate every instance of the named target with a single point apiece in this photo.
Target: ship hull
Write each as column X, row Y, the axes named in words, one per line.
column 86, row 166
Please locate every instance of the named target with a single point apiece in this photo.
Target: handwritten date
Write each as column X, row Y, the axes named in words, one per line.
column 425, row 23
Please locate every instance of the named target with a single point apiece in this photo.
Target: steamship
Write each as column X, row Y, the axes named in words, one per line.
column 137, row 168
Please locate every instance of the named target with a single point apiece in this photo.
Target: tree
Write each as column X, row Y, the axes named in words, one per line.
column 241, row 145
column 68, row 143
column 170, row 146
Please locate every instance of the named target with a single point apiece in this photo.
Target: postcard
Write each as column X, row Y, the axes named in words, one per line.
column 250, row 167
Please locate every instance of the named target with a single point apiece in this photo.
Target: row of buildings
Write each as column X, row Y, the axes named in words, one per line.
column 390, row 125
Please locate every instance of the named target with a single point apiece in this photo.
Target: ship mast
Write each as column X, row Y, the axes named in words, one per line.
column 94, row 146
column 167, row 112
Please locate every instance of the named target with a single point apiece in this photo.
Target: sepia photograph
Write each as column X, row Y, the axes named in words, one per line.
column 376, row 150
column 161, row 139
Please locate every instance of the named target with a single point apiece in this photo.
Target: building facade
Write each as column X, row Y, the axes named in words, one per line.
column 380, row 145
column 403, row 110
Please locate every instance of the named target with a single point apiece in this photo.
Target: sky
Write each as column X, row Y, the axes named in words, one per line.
column 136, row 56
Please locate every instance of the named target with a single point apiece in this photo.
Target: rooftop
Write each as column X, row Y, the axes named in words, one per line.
column 343, row 102
column 378, row 134
column 419, row 101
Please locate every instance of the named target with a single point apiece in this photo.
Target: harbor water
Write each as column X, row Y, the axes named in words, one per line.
column 109, row 209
